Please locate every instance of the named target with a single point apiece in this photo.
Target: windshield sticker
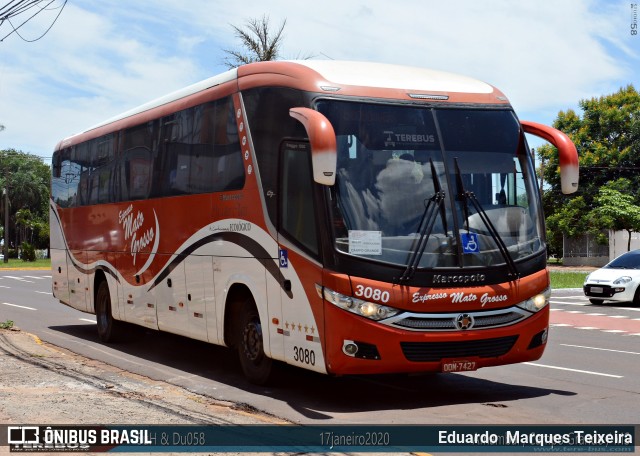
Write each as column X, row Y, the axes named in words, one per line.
column 470, row 243
column 394, row 139
column 365, row 242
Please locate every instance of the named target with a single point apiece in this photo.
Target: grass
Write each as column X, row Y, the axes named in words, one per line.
column 567, row 279
column 19, row 264
column 8, row 324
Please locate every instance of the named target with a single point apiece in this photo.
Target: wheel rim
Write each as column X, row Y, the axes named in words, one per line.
column 102, row 317
column 252, row 340
column 102, row 321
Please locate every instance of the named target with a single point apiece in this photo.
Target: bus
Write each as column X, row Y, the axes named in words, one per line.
column 344, row 217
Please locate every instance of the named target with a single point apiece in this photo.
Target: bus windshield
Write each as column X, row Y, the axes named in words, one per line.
column 441, row 187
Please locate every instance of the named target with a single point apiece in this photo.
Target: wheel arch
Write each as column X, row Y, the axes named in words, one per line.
column 98, row 278
column 238, row 294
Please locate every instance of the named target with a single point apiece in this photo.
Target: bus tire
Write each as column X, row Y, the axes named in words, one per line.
column 109, row 329
column 256, row 365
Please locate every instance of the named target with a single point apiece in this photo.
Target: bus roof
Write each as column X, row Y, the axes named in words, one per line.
column 368, row 79
column 370, row 74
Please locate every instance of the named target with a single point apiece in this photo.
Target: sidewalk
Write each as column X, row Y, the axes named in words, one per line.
column 44, row 384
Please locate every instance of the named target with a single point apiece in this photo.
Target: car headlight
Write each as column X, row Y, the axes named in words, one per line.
column 357, row 306
column 622, row 280
column 586, row 279
column 537, row 302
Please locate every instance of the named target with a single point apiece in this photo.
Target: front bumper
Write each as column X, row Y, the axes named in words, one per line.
column 608, row 292
column 392, row 350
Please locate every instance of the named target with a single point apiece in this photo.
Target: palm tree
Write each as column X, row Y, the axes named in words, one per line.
column 259, row 43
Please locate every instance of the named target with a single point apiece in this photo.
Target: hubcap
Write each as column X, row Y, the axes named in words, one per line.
column 253, row 340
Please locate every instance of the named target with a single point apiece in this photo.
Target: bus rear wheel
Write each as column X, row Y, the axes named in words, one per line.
column 109, row 329
column 256, row 365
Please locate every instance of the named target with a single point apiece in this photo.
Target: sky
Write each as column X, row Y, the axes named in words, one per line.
column 104, row 57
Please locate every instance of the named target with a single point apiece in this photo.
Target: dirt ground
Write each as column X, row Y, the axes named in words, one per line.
column 44, row 384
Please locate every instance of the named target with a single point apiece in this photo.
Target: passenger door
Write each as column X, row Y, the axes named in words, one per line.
column 302, row 308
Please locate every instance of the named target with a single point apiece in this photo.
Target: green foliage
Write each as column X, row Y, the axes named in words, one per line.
column 40, row 263
column 27, row 177
column 569, row 279
column 608, row 140
column 28, row 252
column 259, row 43
column 7, row 324
column 617, row 209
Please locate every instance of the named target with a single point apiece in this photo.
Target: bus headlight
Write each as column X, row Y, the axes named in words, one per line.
column 357, row 306
column 537, row 302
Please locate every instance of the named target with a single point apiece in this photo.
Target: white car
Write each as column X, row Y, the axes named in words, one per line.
column 617, row 281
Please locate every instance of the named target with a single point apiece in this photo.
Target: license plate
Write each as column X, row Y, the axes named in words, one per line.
column 598, row 290
column 459, row 366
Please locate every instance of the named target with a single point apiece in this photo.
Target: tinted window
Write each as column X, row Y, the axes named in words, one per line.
column 195, row 150
column 209, row 158
column 630, row 260
column 270, row 123
column 61, row 173
column 137, row 161
column 297, row 213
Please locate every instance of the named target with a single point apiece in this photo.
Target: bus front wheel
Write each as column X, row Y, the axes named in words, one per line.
column 256, row 365
column 109, row 329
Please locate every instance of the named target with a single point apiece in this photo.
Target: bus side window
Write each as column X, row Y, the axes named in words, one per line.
column 216, row 160
column 173, row 165
column 80, row 176
column 230, row 168
column 136, row 166
column 297, row 212
column 267, row 110
column 139, row 166
column 103, row 166
column 61, row 172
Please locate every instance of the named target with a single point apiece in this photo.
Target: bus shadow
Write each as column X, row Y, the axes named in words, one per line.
column 314, row 396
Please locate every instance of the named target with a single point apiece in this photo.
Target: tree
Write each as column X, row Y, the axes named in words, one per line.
column 607, row 136
column 24, row 226
column 258, row 41
column 616, row 209
column 27, row 179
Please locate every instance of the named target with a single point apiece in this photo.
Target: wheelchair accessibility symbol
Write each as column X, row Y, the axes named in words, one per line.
column 284, row 258
column 470, row 243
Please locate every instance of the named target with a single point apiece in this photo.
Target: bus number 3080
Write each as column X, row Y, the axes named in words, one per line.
column 372, row 293
column 304, row 355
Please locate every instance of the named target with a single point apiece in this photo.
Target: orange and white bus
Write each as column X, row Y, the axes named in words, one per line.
column 348, row 218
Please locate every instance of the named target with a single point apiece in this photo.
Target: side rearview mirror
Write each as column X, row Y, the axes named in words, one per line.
column 567, row 153
column 323, row 144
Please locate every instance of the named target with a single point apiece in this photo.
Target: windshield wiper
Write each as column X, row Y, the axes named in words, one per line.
column 433, row 205
column 470, row 196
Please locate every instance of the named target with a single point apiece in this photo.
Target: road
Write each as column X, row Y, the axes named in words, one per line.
column 588, row 375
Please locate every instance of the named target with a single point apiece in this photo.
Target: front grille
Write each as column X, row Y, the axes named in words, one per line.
column 436, row 351
column 607, row 291
column 447, row 322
